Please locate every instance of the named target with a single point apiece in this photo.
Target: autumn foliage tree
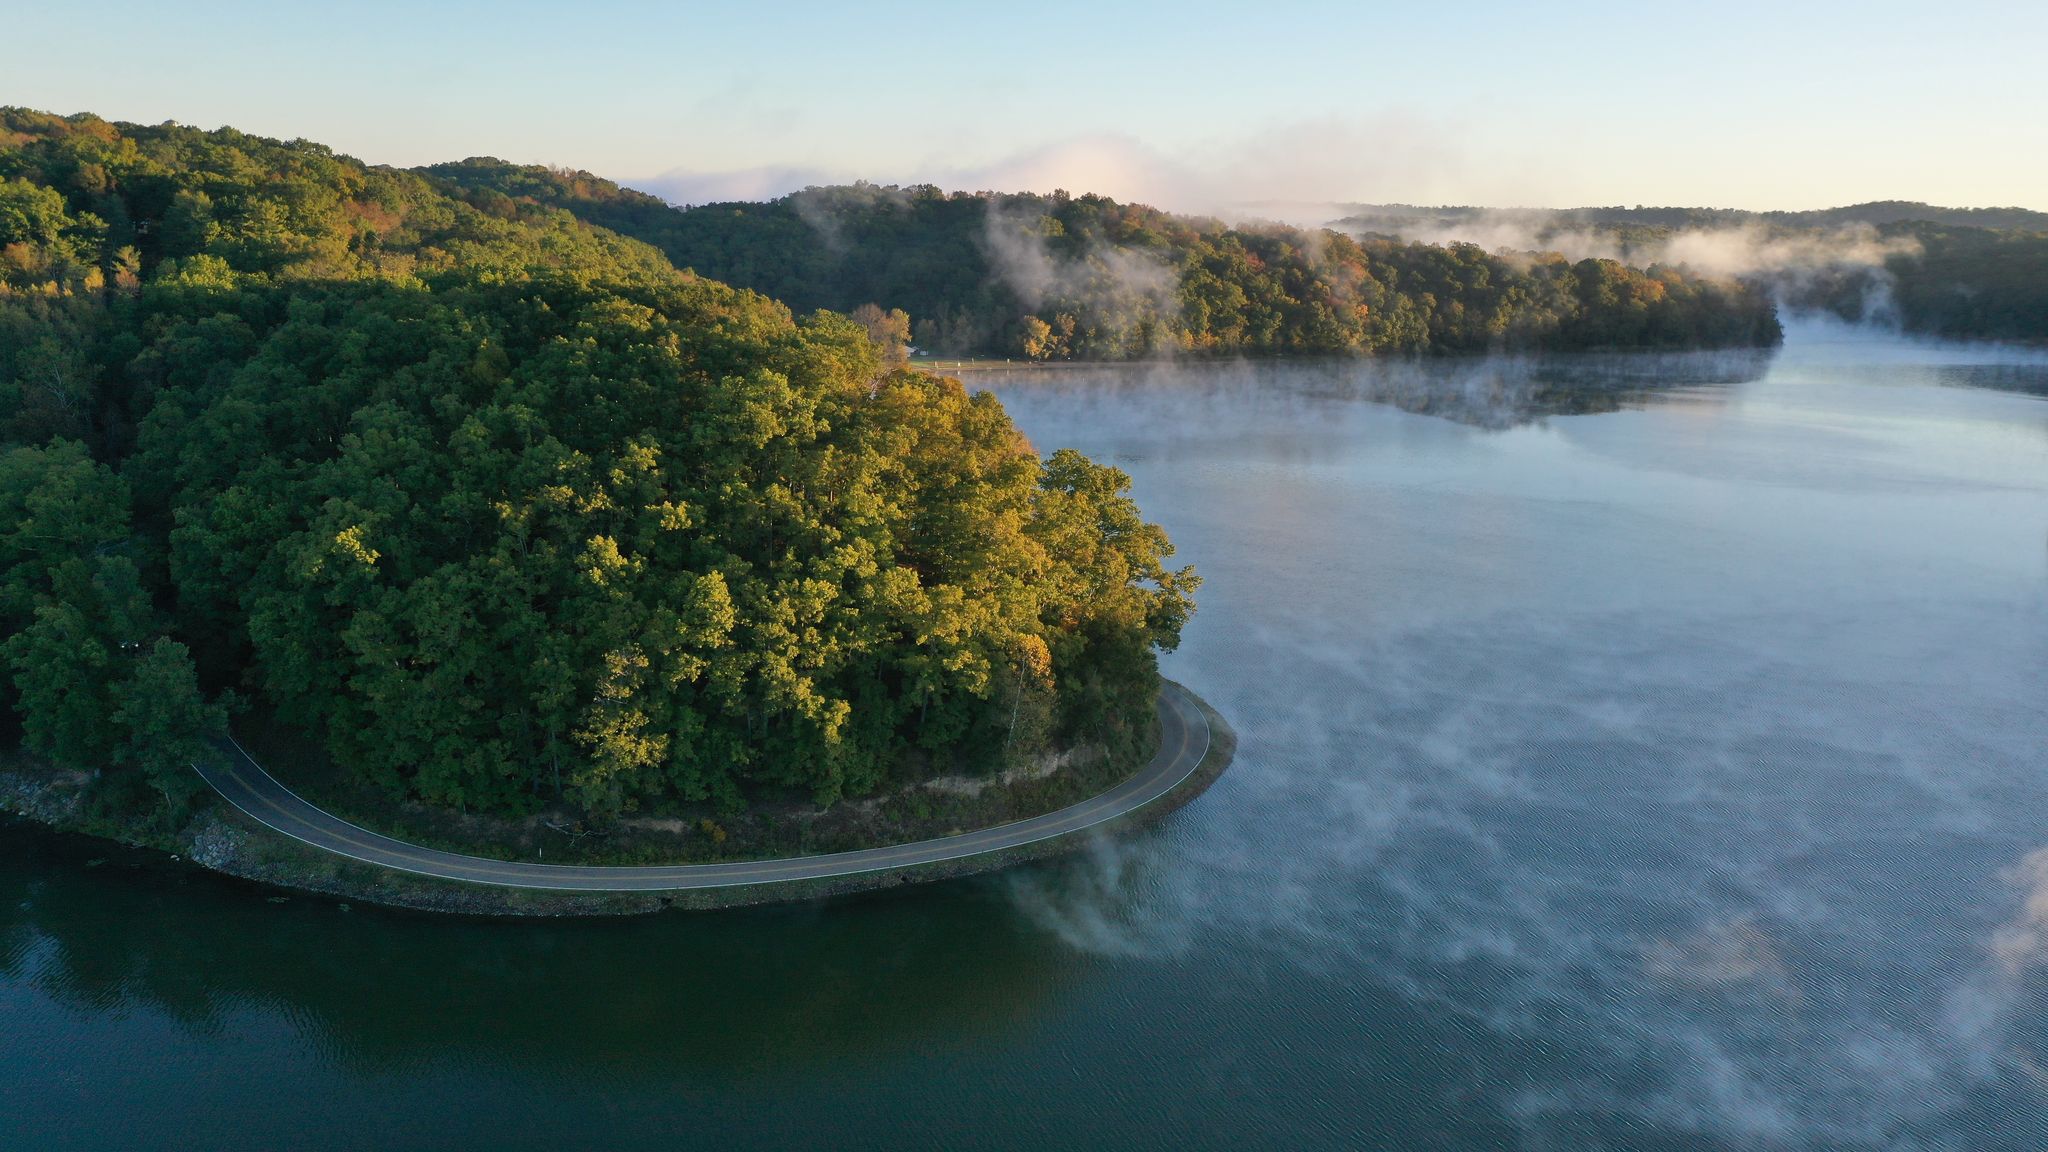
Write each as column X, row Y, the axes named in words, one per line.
column 507, row 512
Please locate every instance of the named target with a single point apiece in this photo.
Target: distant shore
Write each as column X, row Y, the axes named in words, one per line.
column 945, row 365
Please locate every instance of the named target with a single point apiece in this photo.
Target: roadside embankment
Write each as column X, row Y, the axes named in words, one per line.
column 224, row 840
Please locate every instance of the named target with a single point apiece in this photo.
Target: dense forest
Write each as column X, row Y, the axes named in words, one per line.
column 1084, row 277
column 1976, row 273
column 504, row 509
column 1953, row 281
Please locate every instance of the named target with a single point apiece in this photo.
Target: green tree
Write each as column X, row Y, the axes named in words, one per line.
column 69, row 660
column 59, row 509
column 31, row 215
column 168, row 724
column 504, row 509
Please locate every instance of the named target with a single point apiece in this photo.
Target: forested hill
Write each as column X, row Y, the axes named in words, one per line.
column 503, row 509
column 1877, row 213
column 1055, row 277
column 1955, row 272
column 1963, row 282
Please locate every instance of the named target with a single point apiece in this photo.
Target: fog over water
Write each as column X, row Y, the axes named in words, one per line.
column 1704, row 741
column 1636, row 752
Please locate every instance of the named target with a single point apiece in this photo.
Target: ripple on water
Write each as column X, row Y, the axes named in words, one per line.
column 1665, row 776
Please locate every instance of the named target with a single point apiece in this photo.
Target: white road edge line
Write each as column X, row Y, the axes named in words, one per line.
column 706, row 879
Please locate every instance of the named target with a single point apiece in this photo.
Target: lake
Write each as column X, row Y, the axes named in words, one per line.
column 1637, row 752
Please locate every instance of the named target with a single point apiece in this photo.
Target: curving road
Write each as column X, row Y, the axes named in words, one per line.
column 1183, row 743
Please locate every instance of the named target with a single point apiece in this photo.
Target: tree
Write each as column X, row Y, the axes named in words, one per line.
column 1118, row 281
column 502, row 508
column 31, row 215
column 63, row 671
column 67, row 662
column 889, row 330
column 167, row 722
column 1034, row 338
column 58, row 510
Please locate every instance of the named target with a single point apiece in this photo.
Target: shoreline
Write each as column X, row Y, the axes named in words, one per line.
column 946, row 365
column 222, row 840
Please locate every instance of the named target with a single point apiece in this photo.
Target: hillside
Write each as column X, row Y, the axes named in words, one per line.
column 1979, row 273
column 1084, row 277
column 504, row 509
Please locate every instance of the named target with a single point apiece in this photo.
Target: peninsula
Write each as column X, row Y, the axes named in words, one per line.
column 459, row 485
column 509, row 517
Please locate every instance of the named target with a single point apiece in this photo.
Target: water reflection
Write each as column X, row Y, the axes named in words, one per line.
column 2006, row 377
column 767, row 992
column 1670, row 779
column 1695, row 749
column 1496, row 392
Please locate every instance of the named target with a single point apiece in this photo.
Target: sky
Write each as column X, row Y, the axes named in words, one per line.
column 1192, row 105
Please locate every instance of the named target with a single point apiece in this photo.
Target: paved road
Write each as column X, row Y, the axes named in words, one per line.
column 1183, row 744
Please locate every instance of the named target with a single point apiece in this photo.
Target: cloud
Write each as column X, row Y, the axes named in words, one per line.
column 826, row 208
column 1721, row 953
column 1105, row 902
column 1113, row 289
column 1739, row 250
column 1799, row 265
column 692, row 186
column 2022, row 943
column 1118, row 166
column 1312, row 172
column 1641, row 855
column 1753, row 249
column 1296, row 171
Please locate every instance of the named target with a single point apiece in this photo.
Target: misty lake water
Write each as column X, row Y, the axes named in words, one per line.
column 1637, row 752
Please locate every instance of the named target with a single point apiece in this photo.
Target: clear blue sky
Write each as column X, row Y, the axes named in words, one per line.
column 1736, row 104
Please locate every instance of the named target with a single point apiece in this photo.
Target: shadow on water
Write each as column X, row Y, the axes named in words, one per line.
column 1505, row 392
column 1667, row 781
column 742, row 994
column 1492, row 392
column 2006, row 377
column 880, row 1003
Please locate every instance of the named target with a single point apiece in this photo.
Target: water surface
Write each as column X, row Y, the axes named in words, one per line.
column 1636, row 752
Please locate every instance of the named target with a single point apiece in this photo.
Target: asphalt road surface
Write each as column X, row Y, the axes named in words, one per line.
column 1184, row 741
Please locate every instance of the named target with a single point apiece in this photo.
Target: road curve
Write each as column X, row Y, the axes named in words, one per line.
column 1184, row 741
